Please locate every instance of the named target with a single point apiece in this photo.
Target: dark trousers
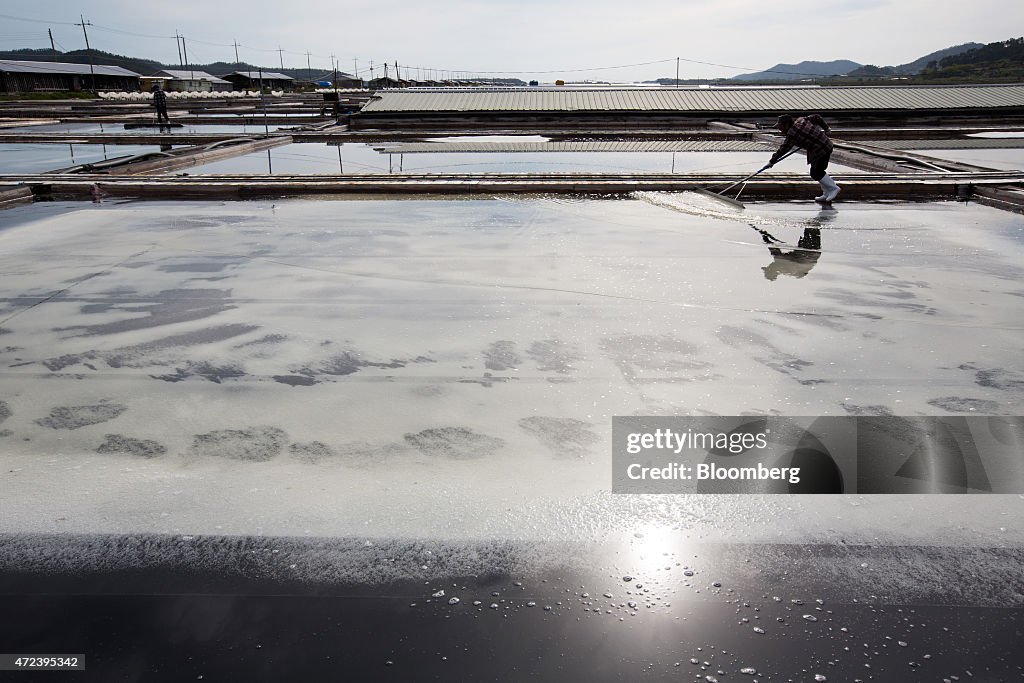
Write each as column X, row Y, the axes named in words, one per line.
column 161, row 115
column 819, row 165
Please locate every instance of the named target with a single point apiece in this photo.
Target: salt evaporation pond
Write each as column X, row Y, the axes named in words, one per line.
column 39, row 158
column 999, row 159
column 318, row 158
column 477, row 343
column 398, row 398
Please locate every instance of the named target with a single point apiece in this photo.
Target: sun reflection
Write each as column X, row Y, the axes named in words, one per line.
column 657, row 546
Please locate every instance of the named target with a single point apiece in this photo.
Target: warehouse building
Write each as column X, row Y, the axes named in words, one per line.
column 188, row 80
column 25, row 76
column 251, row 80
column 347, row 80
column 576, row 106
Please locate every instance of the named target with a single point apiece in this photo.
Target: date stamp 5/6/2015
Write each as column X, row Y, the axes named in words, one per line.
column 37, row 662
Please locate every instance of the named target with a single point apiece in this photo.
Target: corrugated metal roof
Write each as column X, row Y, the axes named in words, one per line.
column 187, row 75
column 957, row 143
column 580, row 146
column 823, row 99
column 267, row 75
column 16, row 66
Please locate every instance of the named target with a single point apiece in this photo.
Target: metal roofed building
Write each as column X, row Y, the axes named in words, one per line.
column 596, row 102
column 27, row 76
column 346, row 80
column 188, row 80
column 386, row 82
column 250, row 80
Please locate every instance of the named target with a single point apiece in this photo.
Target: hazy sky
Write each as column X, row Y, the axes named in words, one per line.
column 567, row 38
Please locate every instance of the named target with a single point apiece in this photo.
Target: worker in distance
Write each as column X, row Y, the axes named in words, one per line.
column 809, row 133
column 160, row 102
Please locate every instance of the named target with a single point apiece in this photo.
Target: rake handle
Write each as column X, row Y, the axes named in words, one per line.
column 760, row 170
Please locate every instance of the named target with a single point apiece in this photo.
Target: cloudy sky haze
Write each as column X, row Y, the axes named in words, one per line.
column 552, row 38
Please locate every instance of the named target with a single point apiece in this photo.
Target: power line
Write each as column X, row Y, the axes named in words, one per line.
column 130, row 33
column 280, row 51
column 37, row 21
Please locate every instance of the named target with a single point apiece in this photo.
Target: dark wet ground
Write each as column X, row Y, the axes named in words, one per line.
column 231, row 612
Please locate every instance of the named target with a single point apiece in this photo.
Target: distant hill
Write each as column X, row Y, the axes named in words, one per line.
column 1011, row 50
column 796, row 72
column 912, row 68
column 918, row 65
column 969, row 62
column 998, row 62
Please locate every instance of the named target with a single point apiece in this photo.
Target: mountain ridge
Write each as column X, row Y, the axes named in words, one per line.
column 845, row 67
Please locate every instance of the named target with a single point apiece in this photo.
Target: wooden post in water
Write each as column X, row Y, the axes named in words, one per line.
column 263, row 100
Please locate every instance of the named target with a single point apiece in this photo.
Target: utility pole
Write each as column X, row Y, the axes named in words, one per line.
column 308, row 67
column 191, row 74
column 280, row 55
column 177, row 42
column 237, row 62
column 263, row 101
column 677, row 72
column 398, row 76
column 54, row 49
column 92, row 69
column 371, row 69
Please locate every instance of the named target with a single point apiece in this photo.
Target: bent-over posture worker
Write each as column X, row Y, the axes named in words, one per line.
column 809, row 133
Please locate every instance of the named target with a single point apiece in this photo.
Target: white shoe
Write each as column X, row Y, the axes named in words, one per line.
column 831, row 189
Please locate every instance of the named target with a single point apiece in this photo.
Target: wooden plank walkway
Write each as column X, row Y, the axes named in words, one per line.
column 878, row 186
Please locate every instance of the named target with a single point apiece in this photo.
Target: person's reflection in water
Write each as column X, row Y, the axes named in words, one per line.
column 97, row 193
column 794, row 262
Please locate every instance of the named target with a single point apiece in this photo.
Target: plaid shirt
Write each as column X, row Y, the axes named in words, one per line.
column 160, row 99
column 807, row 132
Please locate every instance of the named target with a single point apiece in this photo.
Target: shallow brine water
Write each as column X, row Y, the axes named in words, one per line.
column 449, row 368
column 358, row 158
column 40, row 158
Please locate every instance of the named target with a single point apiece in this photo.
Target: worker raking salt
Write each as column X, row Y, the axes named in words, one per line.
column 809, row 133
